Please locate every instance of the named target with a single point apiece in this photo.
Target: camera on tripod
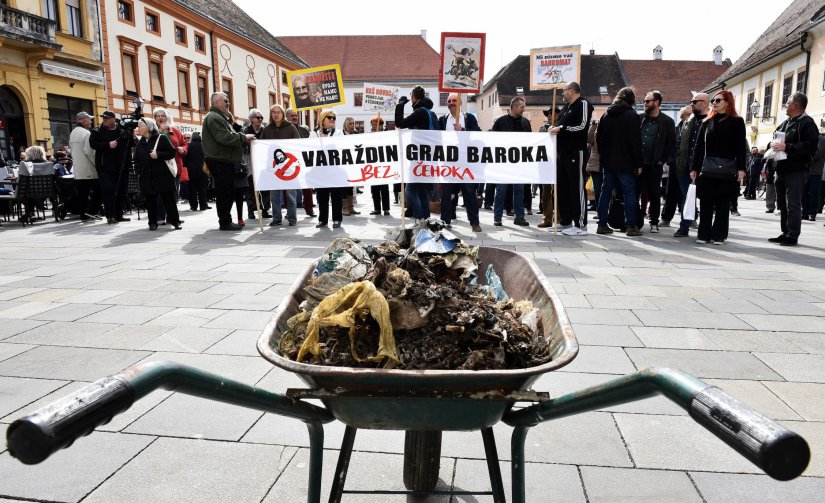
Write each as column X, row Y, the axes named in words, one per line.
column 130, row 122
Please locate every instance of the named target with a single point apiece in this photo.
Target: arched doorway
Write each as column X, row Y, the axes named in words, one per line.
column 12, row 125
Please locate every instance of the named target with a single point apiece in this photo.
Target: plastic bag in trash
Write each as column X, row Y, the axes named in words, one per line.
column 494, row 283
column 346, row 257
column 439, row 242
column 346, row 308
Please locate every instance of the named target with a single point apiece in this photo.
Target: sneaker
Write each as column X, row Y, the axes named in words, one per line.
column 497, row 223
column 633, row 231
column 603, row 229
column 336, row 225
column 274, row 223
column 702, row 241
column 521, row 222
column 654, row 229
column 680, row 234
column 717, row 243
column 574, row 231
column 664, row 223
column 735, row 213
column 788, row 242
column 778, row 239
column 476, row 228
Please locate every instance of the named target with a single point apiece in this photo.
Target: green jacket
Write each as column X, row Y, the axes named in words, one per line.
column 683, row 150
column 220, row 142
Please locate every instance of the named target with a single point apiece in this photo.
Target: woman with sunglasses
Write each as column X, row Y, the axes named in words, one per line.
column 327, row 195
column 718, row 167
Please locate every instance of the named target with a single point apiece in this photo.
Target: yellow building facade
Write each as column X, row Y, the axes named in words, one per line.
column 50, row 69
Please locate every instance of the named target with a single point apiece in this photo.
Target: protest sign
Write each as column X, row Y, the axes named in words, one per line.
column 317, row 87
column 554, row 67
column 380, row 98
column 462, row 62
column 409, row 156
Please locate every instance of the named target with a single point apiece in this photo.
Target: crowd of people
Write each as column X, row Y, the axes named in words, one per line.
column 620, row 160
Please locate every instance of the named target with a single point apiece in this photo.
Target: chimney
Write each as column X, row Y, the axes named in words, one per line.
column 592, row 52
column 717, row 55
column 657, row 52
column 424, row 34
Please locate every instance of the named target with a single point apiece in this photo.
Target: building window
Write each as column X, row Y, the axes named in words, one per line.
column 787, row 87
column 283, row 78
column 767, row 101
column 73, row 18
column 130, row 83
column 442, row 99
column 200, row 43
column 180, row 35
column 183, row 88
column 801, row 75
column 156, row 80
column 50, row 10
column 285, row 99
column 152, row 22
column 126, row 11
column 251, row 97
column 203, row 94
column 749, row 115
column 226, row 87
column 62, row 112
column 358, row 99
column 273, row 99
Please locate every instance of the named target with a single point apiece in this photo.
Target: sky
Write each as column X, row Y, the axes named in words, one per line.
column 631, row 28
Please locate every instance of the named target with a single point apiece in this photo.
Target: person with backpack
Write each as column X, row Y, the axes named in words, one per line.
column 422, row 117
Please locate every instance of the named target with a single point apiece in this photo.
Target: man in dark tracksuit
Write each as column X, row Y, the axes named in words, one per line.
column 801, row 139
column 571, row 145
column 658, row 145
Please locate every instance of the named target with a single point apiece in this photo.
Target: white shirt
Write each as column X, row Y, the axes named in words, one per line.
column 451, row 122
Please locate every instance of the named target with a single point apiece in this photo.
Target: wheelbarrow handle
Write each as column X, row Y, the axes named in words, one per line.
column 779, row 452
column 34, row 438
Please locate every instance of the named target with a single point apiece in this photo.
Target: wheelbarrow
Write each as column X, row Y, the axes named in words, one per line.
column 423, row 403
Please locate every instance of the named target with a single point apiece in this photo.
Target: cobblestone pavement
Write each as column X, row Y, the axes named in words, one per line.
column 80, row 301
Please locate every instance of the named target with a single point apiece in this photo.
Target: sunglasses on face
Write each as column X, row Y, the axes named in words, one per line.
column 330, row 117
column 259, row 117
column 716, row 101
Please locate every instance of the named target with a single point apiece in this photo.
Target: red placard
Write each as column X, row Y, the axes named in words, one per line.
column 462, row 62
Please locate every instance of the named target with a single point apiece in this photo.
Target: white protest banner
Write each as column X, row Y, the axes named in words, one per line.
column 416, row 156
column 478, row 157
column 380, row 98
column 334, row 161
column 554, row 67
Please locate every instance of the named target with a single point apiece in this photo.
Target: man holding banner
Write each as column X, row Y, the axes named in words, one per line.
column 417, row 194
column 574, row 122
column 514, row 122
column 465, row 122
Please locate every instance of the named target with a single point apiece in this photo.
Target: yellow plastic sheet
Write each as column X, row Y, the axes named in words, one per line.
column 343, row 309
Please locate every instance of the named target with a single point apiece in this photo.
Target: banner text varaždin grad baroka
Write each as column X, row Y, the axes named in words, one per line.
column 411, row 156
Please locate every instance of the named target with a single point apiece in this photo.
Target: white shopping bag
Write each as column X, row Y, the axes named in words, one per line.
column 689, row 209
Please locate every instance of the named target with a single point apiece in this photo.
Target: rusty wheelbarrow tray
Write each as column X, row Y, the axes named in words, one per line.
column 422, row 402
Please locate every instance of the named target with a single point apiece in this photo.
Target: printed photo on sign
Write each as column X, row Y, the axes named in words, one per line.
column 462, row 62
column 380, row 98
column 318, row 87
column 554, row 67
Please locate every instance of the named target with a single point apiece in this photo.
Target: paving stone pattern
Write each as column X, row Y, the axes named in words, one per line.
column 79, row 301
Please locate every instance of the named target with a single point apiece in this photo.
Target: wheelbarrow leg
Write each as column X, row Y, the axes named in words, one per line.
column 517, row 462
column 337, row 490
column 316, row 460
column 492, row 465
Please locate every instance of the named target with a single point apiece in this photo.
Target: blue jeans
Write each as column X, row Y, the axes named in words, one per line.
column 628, row 184
column 276, row 197
column 417, row 197
column 518, row 200
column 684, row 183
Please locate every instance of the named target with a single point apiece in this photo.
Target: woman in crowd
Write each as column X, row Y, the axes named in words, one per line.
column 166, row 126
column 256, row 127
column 348, row 195
column 197, row 177
column 156, row 181
column 324, row 195
column 279, row 128
column 380, row 193
column 718, row 167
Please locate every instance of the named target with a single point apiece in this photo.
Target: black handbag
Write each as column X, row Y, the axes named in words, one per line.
column 717, row 167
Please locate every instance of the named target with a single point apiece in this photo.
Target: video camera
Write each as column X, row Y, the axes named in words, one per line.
column 130, row 122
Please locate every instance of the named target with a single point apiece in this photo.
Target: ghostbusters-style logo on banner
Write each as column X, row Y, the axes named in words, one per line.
column 285, row 165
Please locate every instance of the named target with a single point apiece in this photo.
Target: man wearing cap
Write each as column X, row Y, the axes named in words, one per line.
column 223, row 149
column 85, row 173
column 112, row 143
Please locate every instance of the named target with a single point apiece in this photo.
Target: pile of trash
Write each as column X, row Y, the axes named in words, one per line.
column 412, row 303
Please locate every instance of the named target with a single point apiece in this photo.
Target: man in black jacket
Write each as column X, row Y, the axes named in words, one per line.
column 571, row 146
column 466, row 122
column 417, row 194
column 801, row 139
column 512, row 122
column 620, row 154
column 112, row 158
column 658, row 144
